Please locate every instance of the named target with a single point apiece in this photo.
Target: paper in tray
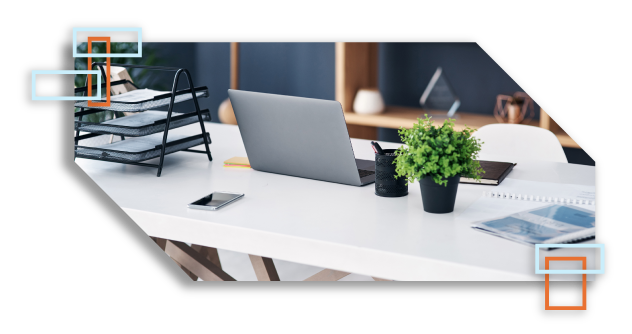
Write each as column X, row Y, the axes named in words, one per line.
column 145, row 99
column 140, row 124
column 139, row 149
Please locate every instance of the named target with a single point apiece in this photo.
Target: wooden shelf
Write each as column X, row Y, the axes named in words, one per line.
column 357, row 67
column 395, row 117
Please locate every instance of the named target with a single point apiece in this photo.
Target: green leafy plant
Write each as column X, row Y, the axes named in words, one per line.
column 437, row 152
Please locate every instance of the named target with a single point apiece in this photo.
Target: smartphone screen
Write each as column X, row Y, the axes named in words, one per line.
column 216, row 199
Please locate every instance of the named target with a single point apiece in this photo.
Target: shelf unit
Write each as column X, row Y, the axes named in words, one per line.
column 148, row 129
column 357, row 67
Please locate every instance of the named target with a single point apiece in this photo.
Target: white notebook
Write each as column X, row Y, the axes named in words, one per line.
column 545, row 192
column 533, row 212
column 550, row 224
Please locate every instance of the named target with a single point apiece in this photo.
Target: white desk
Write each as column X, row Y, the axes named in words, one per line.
column 318, row 223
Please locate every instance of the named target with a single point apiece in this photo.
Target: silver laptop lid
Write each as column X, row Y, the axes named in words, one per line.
column 295, row 136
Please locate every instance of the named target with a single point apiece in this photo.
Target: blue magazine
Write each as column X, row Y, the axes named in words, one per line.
column 552, row 224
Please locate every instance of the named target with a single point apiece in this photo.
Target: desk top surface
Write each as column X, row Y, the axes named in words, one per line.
column 320, row 223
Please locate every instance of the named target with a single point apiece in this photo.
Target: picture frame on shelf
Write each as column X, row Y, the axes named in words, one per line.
column 439, row 95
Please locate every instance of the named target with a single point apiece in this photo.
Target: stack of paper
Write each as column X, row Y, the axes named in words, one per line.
column 237, row 162
column 552, row 224
column 535, row 212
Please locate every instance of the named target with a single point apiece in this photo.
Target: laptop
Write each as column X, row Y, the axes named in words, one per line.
column 299, row 137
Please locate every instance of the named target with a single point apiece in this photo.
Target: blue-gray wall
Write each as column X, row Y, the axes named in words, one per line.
column 308, row 70
column 298, row 69
column 406, row 68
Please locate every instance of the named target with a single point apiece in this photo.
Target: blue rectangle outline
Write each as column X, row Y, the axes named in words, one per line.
column 138, row 31
column 570, row 272
column 34, row 96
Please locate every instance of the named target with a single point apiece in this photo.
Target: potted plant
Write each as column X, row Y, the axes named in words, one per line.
column 437, row 157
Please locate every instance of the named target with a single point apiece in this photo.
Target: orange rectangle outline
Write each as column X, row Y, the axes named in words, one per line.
column 546, row 283
column 107, row 75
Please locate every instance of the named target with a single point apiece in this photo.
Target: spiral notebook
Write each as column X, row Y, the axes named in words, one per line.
column 551, row 224
column 545, row 192
column 533, row 212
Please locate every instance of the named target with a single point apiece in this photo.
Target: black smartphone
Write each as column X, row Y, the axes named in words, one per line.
column 215, row 201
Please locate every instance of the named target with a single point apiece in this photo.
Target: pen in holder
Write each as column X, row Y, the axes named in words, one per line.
column 386, row 185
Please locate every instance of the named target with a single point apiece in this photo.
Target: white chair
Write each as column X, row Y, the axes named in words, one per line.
column 520, row 141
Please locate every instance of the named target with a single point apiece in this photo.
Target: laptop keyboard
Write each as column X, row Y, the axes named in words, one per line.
column 364, row 173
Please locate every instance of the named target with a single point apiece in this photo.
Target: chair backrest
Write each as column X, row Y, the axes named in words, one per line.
column 521, row 141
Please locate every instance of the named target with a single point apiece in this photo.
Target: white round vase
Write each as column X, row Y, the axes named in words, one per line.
column 368, row 101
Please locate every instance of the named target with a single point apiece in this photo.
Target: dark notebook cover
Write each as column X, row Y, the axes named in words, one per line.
column 495, row 172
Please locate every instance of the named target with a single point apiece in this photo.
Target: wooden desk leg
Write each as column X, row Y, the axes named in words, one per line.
column 209, row 253
column 192, row 261
column 204, row 262
column 327, row 275
column 186, row 271
column 264, row 268
column 162, row 243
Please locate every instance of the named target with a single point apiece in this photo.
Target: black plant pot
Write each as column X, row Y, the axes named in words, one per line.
column 439, row 198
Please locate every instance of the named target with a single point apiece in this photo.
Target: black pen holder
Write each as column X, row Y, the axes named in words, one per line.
column 386, row 185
